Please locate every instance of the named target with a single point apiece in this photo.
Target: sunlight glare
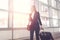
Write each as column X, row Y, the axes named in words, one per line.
column 24, row 7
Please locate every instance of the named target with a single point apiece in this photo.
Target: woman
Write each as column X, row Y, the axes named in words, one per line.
column 35, row 23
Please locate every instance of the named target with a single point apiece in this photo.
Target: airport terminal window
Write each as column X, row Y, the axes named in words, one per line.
column 55, row 18
column 4, row 4
column 44, row 1
column 53, row 3
column 54, row 12
column 45, row 21
column 44, row 11
column 20, row 20
column 3, row 13
column 21, row 12
column 55, row 22
column 3, row 19
column 44, row 15
column 21, row 5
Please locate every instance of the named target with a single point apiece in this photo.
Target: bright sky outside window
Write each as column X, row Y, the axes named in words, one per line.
column 20, row 20
column 21, row 12
column 53, row 3
column 3, row 19
column 22, row 5
column 4, row 4
column 55, row 22
column 54, row 12
column 44, row 1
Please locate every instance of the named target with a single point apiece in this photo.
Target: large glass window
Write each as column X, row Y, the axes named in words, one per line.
column 55, row 22
column 55, row 18
column 20, row 20
column 21, row 5
column 3, row 19
column 45, row 21
column 21, row 12
column 43, row 10
column 53, row 3
column 4, row 4
column 54, row 12
column 3, row 13
column 44, row 15
column 44, row 1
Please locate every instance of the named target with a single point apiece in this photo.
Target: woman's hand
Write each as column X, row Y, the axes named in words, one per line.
column 28, row 27
column 41, row 28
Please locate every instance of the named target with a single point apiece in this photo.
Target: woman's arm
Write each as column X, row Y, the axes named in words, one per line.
column 40, row 22
column 39, row 19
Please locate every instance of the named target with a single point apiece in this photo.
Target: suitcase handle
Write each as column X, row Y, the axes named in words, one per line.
column 41, row 31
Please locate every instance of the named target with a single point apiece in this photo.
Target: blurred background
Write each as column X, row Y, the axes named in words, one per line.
column 14, row 16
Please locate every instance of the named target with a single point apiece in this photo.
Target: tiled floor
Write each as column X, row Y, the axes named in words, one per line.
column 55, row 35
column 27, row 38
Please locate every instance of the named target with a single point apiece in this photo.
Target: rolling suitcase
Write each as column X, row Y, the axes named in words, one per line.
column 46, row 36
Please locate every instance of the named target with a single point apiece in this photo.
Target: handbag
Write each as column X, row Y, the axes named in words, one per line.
column 29, row 27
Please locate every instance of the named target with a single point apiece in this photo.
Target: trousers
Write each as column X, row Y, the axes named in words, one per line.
column 32, row 34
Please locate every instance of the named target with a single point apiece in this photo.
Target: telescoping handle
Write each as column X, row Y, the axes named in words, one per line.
column 41, row 30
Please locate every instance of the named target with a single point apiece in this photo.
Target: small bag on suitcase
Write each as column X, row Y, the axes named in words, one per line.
column 46, row 36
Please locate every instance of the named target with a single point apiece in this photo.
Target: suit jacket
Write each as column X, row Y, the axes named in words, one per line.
column 36, row 21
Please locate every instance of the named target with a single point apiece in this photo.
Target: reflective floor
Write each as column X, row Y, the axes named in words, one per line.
column 56, row 36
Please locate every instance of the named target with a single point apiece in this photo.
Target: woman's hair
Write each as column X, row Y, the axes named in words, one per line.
column 33, row 8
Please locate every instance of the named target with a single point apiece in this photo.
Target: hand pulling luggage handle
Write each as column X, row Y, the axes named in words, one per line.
column 41, row 31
